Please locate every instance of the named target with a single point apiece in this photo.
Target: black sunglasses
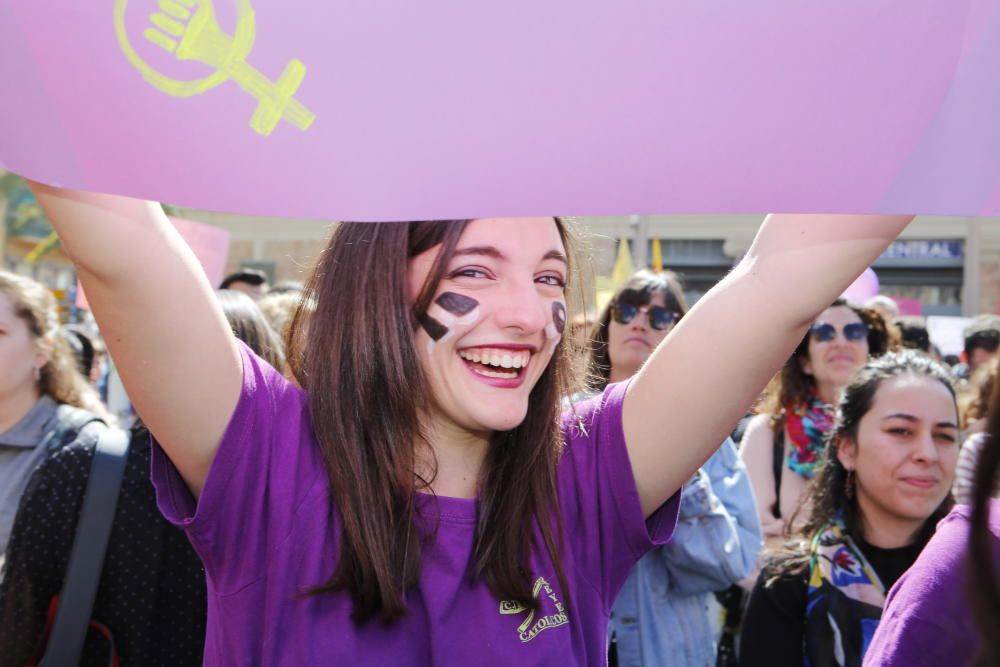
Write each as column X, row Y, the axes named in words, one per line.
column 660, row 318
column 824, row 333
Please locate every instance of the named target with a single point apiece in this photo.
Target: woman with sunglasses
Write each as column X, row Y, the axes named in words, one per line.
column 882, row 484
column 418, row 500
column 660, row 615
column 782, row 443
column 633, row 323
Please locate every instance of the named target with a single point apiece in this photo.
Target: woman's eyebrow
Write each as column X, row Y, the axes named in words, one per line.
column 494, row 252
column 486, row 250
column 556, row 255
column 911, row 418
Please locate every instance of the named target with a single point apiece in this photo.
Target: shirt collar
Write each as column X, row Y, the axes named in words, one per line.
column 32, row 428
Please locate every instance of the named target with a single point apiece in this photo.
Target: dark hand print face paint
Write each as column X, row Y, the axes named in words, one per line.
column 456, row 304
column 554, row 329
column 454, row 309
column 434, row 329
column 559, row 316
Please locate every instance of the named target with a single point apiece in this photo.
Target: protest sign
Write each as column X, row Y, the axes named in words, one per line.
column 398, row 110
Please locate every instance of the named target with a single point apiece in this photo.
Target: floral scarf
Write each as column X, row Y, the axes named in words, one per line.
column 806, row 425
column 845, row 599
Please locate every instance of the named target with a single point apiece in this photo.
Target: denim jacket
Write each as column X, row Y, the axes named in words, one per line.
column 661, row 616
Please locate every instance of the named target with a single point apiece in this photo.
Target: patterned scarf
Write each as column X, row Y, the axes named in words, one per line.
column 845, row 600
column 806, row 425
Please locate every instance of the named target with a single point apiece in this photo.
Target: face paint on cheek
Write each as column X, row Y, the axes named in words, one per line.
column 434, row 329
column 555, row 328
column 453, row 311
column 559, row 316
column 456, row 304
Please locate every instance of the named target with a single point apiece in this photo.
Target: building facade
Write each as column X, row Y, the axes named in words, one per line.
column 951, row 266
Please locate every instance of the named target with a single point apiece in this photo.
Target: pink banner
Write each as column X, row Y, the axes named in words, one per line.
column 210, row 245
column 397, row 110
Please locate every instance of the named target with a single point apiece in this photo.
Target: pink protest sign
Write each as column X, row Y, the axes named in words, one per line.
column 210, row 245
column 398, row 110
column 909, row 306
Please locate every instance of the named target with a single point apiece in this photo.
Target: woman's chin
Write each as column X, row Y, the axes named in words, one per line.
column 498, row 419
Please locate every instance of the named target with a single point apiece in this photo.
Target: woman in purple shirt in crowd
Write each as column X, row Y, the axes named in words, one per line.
column 418, row 501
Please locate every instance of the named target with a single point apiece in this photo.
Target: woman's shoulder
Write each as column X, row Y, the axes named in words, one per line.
column 783, row 583
column 265, row 387
column 583, row 412
column 789, row 562
column 760, row 425
column 759, row 438
column 785, row 567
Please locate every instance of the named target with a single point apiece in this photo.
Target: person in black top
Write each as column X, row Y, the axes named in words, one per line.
column 150, row 607
column 881, row 488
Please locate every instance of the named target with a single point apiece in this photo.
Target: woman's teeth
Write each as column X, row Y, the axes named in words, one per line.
column 495, row 374
column 490, row 361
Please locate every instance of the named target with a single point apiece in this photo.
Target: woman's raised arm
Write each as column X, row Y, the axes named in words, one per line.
column 707, row 372
column 158, row 314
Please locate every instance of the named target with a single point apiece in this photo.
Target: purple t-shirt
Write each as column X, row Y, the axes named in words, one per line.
column 265, row 533
column 927, row 619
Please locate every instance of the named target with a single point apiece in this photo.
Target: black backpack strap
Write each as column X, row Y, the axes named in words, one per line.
column 778, row 465
column 76, row 601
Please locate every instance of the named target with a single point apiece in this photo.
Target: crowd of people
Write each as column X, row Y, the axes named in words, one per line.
column 421, row 457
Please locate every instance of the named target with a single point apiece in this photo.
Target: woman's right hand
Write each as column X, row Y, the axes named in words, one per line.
column 159, row 317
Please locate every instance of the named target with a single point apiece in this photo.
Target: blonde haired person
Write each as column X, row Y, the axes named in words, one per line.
column 42, row 394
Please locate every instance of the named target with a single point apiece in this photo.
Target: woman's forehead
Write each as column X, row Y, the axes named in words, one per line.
column 923, row 397
column 6, row 308
column 837, row 315
column 643, row 297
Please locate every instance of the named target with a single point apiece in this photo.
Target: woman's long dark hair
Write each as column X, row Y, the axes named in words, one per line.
column 640, row 290
column 352, row 348
column 791, row 386
column 984, row 580
column 826, row 494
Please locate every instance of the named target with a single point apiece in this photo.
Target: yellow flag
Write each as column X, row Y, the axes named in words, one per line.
column 44, row 247
column 623, row 265
column 657, row 256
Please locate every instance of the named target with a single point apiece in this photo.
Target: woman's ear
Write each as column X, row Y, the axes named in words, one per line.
column 847, row 452
column 43, row 352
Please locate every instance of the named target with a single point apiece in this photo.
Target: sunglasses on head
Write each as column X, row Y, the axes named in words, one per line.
column 824, row 333
column 660, row 318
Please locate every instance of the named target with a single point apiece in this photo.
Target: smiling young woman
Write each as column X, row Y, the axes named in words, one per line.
column 881, row 487
column 411, row 504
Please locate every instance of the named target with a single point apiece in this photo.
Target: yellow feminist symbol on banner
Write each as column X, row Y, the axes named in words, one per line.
column 188, row 29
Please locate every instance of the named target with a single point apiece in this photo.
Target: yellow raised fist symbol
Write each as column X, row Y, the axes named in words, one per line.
column 189, row 30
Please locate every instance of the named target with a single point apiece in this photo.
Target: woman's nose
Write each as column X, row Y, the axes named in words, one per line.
column 524, row 309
